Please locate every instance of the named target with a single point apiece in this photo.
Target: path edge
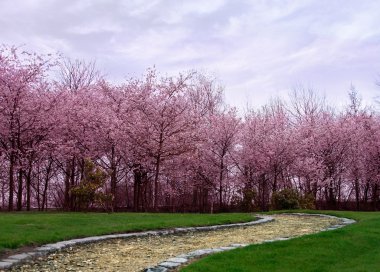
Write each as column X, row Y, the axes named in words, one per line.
column 18, row 259
column 183, row 259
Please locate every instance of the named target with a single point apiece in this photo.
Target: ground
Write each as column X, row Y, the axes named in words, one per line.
column 352, row 248
column 141, row 252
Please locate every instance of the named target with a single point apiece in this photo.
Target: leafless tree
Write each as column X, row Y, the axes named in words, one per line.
column 77, row 74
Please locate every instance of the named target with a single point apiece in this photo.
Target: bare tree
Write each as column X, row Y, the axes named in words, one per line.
column 77, row 74
column 305, row 103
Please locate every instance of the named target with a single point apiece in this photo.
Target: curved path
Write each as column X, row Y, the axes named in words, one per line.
column 138, row 253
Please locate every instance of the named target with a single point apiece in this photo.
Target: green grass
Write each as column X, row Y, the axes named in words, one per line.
column 26, row 229
column 352, row 248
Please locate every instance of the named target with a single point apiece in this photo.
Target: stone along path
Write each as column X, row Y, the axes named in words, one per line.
column 138, row 253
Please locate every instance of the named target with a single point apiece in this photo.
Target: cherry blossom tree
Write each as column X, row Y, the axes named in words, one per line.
column 24, row 114
column 267, row 151
column 170, row 143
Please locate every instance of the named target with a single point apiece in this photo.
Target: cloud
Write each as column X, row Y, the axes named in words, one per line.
column 258, row 49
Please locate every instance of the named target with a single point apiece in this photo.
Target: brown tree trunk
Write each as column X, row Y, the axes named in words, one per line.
column 221, row 184
column 28, row 187
column 274, row 188
column 357, row 194
column 264, row 193
column 66, row 202
column 374, row 196
column 11, row 181
column 156, row 175
column 126, row 190
column 72, row 184
column 366, row 189
column 44, row 196
column 113, row 178
column 20, row 189
column 331, row 196
column 136, row 189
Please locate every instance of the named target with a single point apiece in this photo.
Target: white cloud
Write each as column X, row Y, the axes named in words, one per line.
column 94, row 27
column 258, row 49
column 177, row 10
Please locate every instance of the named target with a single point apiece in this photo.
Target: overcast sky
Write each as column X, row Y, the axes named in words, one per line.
column 256, row 49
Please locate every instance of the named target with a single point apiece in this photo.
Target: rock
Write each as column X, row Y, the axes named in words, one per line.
column 169, row 264
column 45, row 248
column 177, row 260
column 20, row 257
column 239, row 245
column 183, row 256
column 227, row 248
column 156, row 269
column 282, row 238
column 199, row 252
column 216, row 250
column 5, row 265
column 12, row 261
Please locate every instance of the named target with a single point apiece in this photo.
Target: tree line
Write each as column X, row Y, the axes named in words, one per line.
column 70, row 139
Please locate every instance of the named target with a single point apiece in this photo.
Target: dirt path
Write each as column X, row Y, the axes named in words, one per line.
column 135, row 254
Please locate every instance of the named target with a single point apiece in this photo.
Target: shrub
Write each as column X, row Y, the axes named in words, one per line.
column 247, row 203
column 286, row 199
column 307, row 201
column 89, row 190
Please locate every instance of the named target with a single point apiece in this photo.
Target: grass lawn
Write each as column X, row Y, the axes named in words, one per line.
column 352, row 248
column 26, row 229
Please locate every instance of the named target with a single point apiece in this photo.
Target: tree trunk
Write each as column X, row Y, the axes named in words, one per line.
column 136, row 189
column 264, row 193
column 156, row 175
column 221, row 184
column 2, row 195
column 11, row 181
column 366, row 189
column 331, row 196
column 47, row 177
column 205, row 200
column 28, row 185
column 19, row 191
column 72, row 184
column 113, row 178
column 274, row 188
column 126, row 191
column 195, row 198
column 357, row 194
column 66, row 202
column 374, row 196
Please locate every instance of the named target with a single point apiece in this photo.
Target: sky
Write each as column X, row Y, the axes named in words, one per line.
column 257, row 50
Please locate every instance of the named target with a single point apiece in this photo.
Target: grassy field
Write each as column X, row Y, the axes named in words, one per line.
column 352, row 248
column 26, row 229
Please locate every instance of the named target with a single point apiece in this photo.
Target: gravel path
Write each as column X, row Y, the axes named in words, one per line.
column 135, row 254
